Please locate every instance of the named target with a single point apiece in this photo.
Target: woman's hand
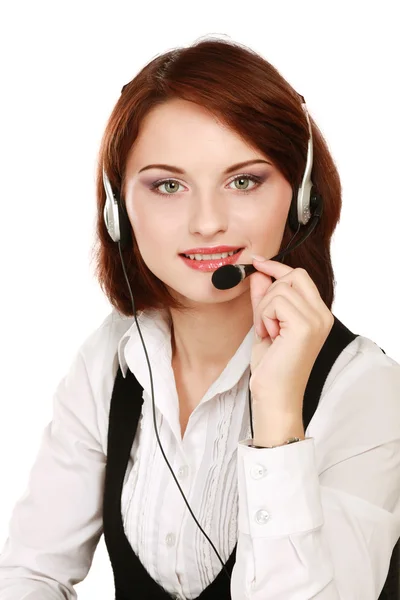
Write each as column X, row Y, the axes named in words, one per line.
column 293, row 322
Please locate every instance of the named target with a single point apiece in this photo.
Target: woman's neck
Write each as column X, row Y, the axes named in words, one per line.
column 204, row 341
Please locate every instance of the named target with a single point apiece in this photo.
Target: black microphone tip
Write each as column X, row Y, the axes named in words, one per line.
column 227, row 277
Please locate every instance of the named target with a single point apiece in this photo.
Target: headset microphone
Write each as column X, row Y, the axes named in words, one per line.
column 307, row 205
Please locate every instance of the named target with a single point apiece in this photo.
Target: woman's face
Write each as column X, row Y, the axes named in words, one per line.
column 203, row 206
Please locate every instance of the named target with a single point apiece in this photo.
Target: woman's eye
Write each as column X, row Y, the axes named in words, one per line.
column 242, row 182
column 245, row 178
column 170, row 182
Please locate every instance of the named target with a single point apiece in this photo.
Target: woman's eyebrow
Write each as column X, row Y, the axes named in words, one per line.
column 226, row 172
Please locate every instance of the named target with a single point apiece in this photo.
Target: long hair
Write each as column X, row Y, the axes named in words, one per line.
column 249, row 95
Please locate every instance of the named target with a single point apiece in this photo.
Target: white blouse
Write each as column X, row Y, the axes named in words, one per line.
column 320, row 522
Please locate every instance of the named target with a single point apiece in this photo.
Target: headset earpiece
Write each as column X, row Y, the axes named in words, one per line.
column 115, row 216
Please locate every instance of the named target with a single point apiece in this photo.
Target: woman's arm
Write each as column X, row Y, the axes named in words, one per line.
column 56, row 525
column 319, row 518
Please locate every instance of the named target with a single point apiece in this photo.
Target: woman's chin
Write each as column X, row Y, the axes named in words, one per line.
column 210, row 295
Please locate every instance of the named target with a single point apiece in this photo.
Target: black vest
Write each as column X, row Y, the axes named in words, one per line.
column 132, row 581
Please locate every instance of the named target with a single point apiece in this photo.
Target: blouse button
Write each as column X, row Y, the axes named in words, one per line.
column 258, row 471
column 262, row 517
column 183, row 471
column 170, row 539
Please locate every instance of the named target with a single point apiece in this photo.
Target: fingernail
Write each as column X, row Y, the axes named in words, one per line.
column 258, row 257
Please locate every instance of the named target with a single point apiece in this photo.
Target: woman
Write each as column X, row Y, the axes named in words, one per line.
column 295, row 502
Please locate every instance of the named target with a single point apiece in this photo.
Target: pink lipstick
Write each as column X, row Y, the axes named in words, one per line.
column 213, row 264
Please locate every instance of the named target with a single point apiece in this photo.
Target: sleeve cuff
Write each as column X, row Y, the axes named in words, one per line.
column 279, row 491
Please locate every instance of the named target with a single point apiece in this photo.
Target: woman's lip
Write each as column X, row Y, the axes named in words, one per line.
column 214, row 250
column 213, row 264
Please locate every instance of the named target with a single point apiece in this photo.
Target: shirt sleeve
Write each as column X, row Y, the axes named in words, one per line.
column 56, row 525
column 320, row 518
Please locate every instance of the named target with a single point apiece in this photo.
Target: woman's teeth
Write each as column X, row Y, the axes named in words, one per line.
column 210, row 256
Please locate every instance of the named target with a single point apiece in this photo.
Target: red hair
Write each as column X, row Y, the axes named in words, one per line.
column 250, row 96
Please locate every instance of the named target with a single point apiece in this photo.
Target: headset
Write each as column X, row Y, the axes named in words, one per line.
column 305, row 209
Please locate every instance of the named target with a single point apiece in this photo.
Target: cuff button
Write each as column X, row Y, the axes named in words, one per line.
column 262, row 517
column 258, row 471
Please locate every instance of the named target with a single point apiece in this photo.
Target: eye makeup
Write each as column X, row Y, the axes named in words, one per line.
column 256, row 179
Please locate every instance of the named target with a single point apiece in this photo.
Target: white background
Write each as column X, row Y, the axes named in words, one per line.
column 63, row 66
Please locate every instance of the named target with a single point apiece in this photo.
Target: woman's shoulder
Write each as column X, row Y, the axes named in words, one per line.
column 361, row 395
column 99, row 353
column 106, row 337
column 361, row 356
